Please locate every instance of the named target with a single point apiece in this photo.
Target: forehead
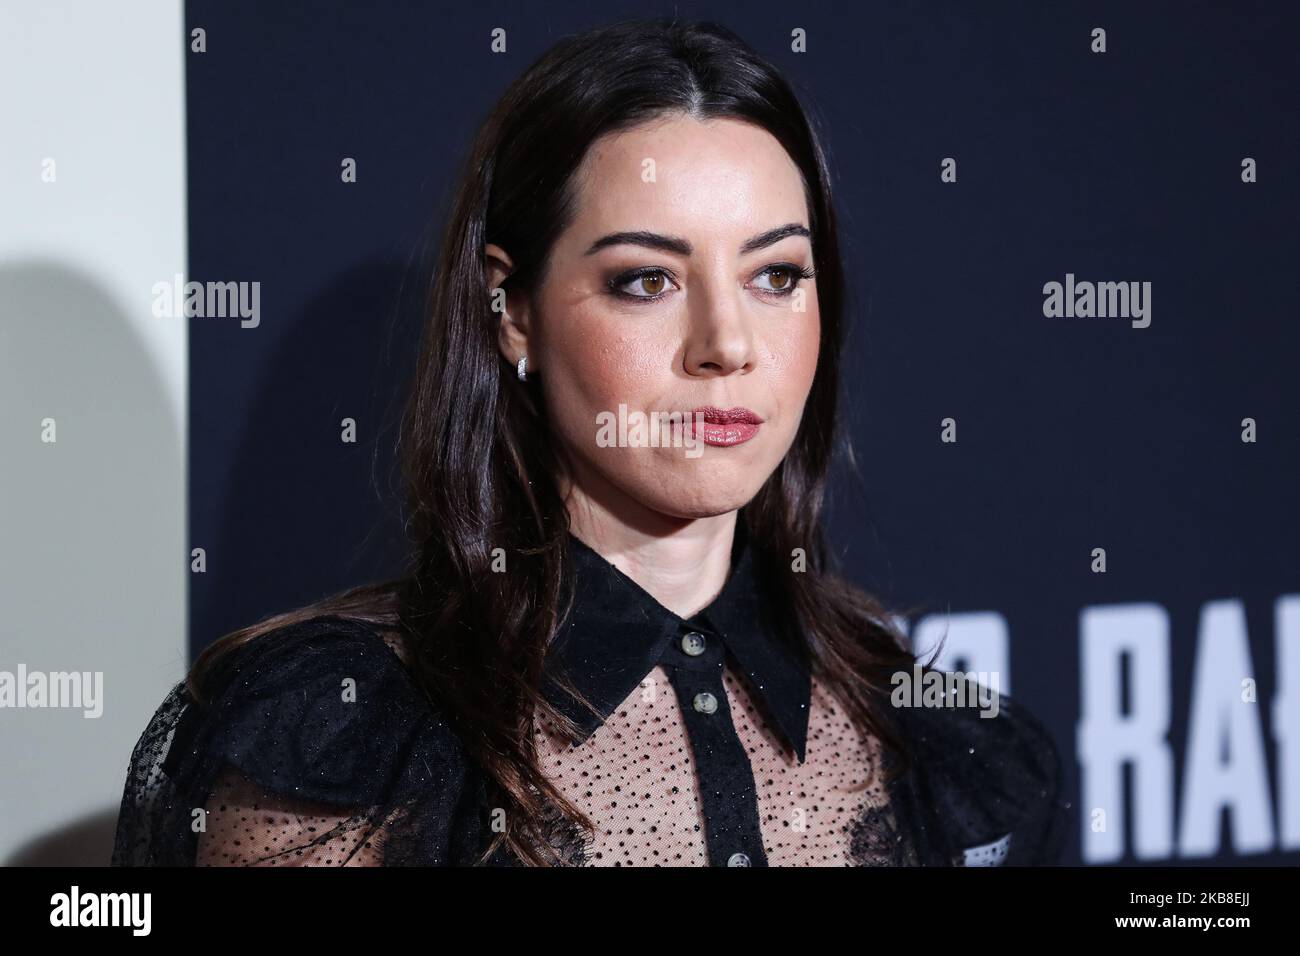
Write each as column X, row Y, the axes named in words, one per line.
column 683, row 175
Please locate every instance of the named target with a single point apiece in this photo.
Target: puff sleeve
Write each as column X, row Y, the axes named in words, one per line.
column 314, row 748
column 986, row 790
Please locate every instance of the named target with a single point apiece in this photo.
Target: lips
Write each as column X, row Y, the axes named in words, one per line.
column 724, row 426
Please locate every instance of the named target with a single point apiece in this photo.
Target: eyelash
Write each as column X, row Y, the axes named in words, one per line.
column 616, row 284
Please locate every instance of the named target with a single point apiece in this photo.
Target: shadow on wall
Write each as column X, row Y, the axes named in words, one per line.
column 84, row 842
column 289, row 511
column 92, row 554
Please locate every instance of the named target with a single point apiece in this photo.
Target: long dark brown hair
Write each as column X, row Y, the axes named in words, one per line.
column 476, row 639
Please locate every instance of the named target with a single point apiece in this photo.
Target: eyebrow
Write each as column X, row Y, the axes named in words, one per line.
column 654, row 240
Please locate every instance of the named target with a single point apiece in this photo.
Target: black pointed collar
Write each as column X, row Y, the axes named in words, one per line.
column 617, row 632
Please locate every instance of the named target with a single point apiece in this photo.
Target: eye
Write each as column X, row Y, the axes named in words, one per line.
column 781, row 279
column 641, row 284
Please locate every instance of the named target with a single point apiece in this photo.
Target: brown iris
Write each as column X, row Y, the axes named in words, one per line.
column 652, row 283
column 779, row 278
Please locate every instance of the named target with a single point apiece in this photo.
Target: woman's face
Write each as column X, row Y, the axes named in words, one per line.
column 683, row 283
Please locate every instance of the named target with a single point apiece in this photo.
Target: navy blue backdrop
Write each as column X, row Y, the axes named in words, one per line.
column 1172, row 679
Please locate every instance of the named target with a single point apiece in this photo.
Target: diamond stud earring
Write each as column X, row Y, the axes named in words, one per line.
column 523, row 368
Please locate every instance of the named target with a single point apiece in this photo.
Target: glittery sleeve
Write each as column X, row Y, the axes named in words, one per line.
column 985, row 790
column 315, row 748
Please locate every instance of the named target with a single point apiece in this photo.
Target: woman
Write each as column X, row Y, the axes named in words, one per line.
column 617, row 644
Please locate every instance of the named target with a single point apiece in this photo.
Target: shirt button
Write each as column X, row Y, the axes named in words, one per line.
column 694, row 643
column 705, row 703
column 738, row 859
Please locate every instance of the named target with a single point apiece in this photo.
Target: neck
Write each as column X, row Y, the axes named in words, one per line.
column 682, row 563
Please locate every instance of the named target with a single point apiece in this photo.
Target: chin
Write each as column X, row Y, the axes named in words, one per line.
column 699, row 499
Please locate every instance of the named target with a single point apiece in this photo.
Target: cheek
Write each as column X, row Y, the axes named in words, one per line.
column 596, row 362
column 794, row 355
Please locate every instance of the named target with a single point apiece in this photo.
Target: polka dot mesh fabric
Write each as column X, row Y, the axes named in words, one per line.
column 247, row 825
column 317, row 748
column 636, row 779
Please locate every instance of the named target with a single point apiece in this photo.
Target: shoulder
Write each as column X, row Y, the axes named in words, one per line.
column 313, row 650
column 326, row 709
column 319, row 713
column 992, row 773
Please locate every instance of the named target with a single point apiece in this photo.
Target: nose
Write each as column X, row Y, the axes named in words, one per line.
column 720, row 336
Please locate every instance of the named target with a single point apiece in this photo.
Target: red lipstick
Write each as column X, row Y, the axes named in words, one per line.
column 725, row 426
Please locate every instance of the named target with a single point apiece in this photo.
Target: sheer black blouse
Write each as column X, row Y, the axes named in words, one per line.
column 715, row 746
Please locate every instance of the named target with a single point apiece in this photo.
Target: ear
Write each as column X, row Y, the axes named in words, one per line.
column 512, row 334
